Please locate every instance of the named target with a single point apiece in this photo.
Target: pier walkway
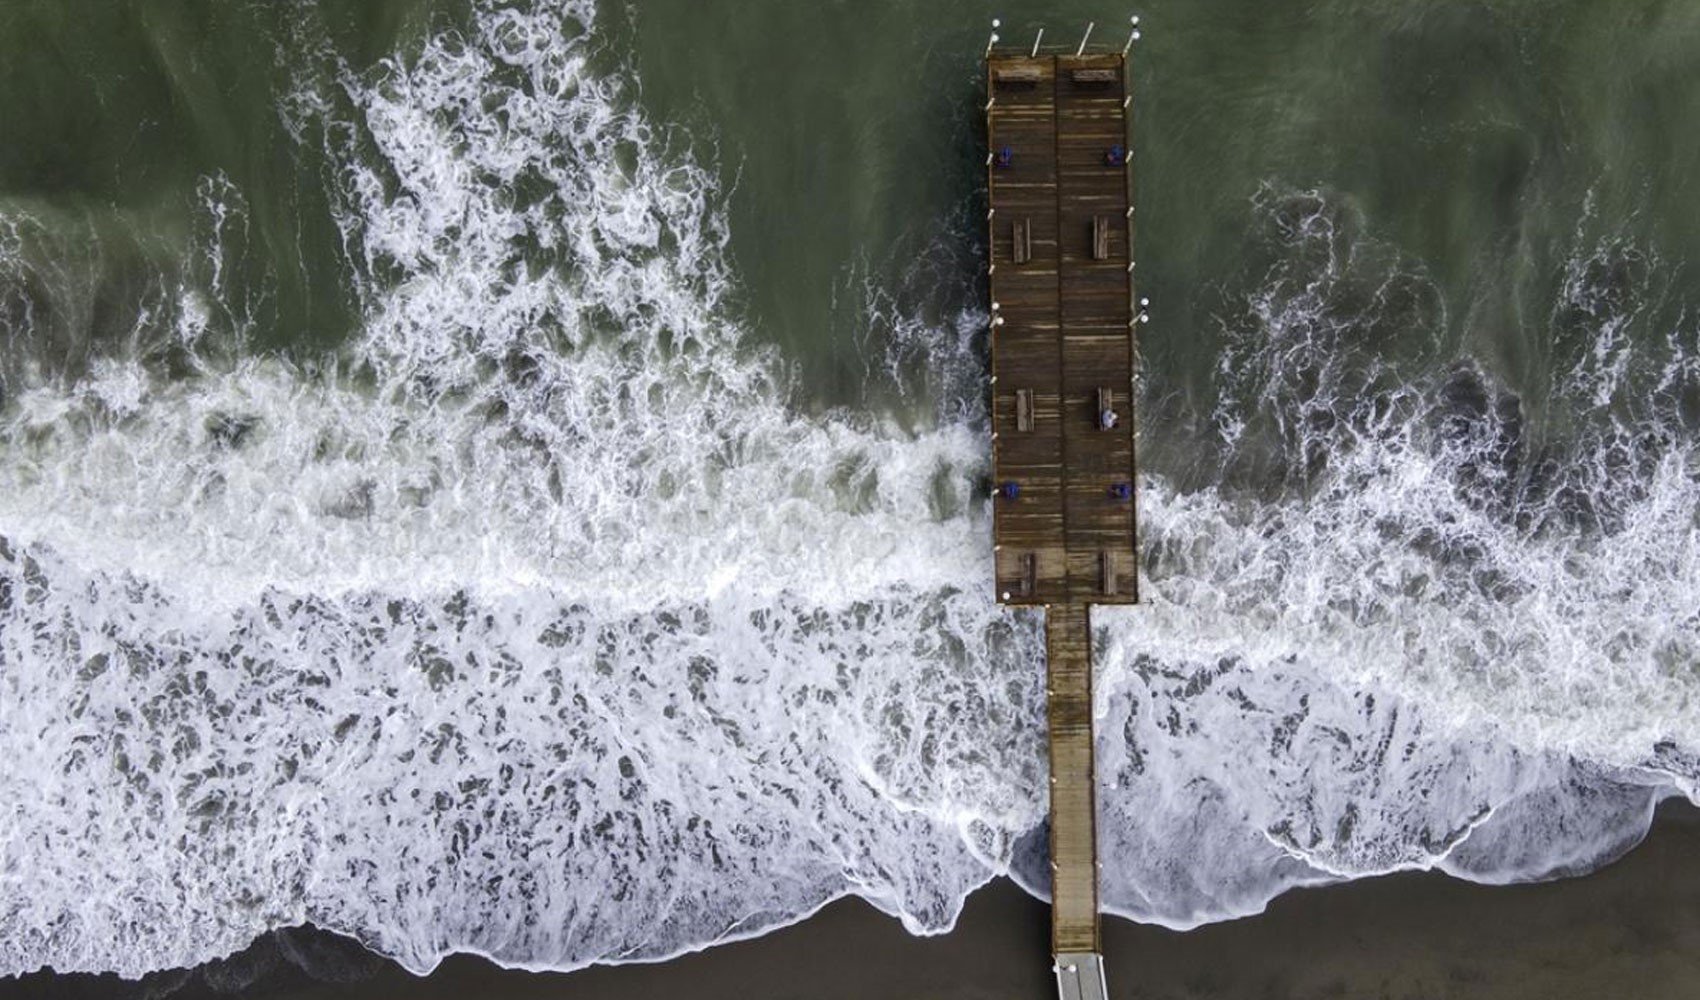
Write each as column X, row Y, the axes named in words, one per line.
column 1063, row 323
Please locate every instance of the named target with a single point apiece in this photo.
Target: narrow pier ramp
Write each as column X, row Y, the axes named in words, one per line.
column 1074, row 840
column 1063, row 323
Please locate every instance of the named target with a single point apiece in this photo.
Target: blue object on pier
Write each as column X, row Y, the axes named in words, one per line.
column 1116, row 156
column 1121, row 491
column 1006, row 156
column 1009, row 490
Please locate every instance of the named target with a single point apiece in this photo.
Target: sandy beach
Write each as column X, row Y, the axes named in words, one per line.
column 1631, row 929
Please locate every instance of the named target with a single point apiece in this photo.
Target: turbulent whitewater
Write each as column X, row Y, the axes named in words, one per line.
column 540, row 622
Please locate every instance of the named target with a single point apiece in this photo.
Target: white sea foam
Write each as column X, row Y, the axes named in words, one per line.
column 535, row 624
column 1440, row 647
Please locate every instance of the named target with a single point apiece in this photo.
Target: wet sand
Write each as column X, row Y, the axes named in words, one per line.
column 1631, row 929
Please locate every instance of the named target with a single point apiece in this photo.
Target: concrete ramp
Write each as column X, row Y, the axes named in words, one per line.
column 1080, row 976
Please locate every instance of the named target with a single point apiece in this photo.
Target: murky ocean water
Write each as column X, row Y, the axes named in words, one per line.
column 509, row 477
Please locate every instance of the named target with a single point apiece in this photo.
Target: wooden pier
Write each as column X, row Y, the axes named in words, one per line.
column 1064, row 318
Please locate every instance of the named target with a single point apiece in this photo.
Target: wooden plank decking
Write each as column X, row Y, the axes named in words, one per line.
column 1062, row 354
column 1060, row 250
column 1074, row 841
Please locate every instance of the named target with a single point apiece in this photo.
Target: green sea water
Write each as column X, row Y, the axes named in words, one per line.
column 1483, row 142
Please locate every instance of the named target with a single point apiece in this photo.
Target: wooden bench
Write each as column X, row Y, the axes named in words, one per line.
column 1022, row 239
column 1100, row 237
column 1094, row 77
column 1026, row 582
column 1018, row 76
column 1023, row 409
column 1107, row 572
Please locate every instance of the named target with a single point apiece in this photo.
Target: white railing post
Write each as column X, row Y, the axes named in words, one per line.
column 1132, row 35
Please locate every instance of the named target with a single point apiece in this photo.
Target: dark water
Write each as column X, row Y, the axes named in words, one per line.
column 507, row 478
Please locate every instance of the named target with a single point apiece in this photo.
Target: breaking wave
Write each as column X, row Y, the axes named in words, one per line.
column 536, row 622
column 1399, row 629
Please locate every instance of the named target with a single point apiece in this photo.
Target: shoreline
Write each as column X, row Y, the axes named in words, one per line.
column 1631, row 928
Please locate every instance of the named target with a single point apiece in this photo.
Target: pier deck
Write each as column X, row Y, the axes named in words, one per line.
column 1062, row 343
column 1063, row 350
